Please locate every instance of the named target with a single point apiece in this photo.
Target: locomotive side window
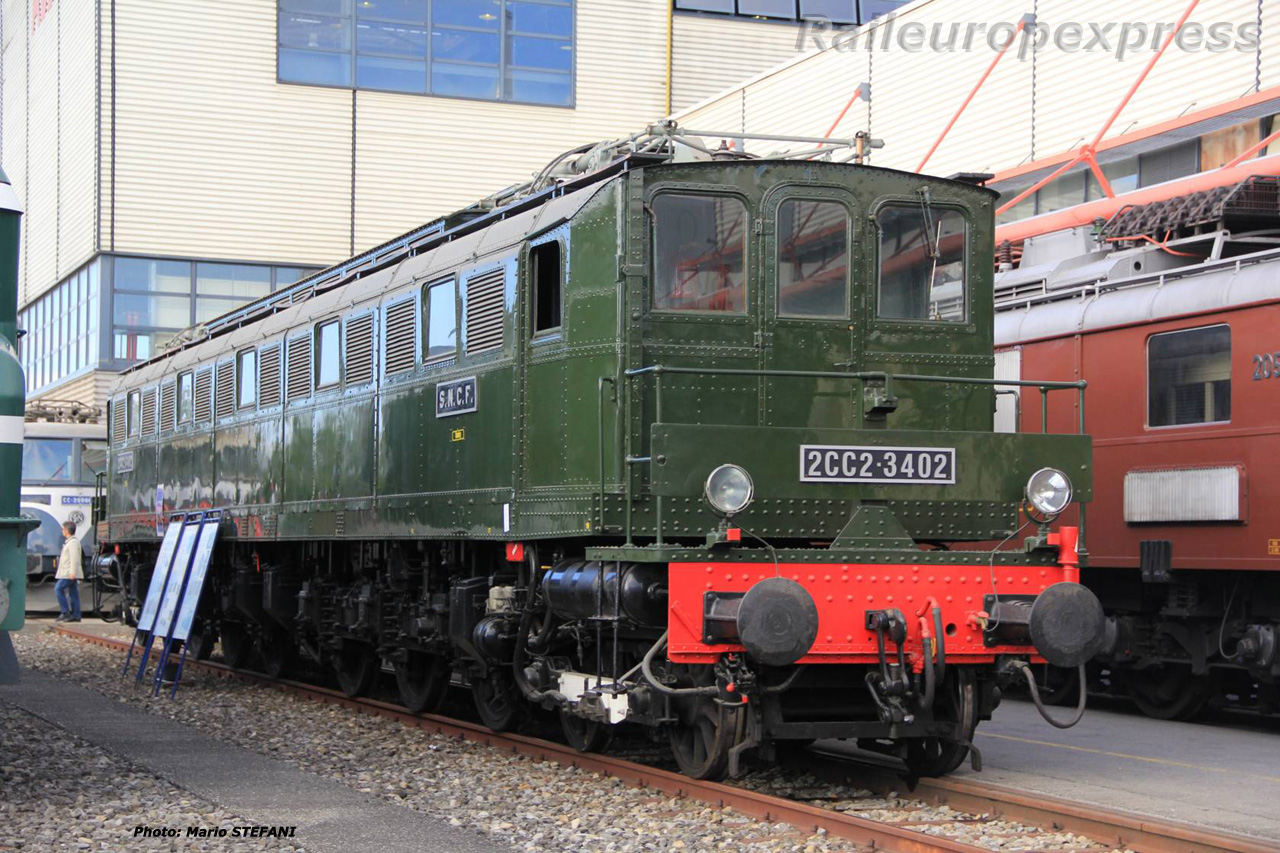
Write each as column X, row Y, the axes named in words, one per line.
column 134, row 412
column 813, row 259
column 1189, row 377
column 699, row 253
column 922, row 263
column 547, row 278
column 247, row 379
column 441, row 320
column 327, row 355
column 185, row 398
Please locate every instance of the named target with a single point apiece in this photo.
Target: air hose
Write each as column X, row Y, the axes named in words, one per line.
column 1044, row 712
column 646, row 668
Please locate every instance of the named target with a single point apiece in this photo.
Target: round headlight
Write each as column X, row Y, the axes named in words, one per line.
column 1049, row 491
column 729, row 490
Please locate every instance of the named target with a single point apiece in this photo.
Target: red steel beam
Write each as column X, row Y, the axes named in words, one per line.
column 1022, row 25
column 1085, row 214
column 1088, row 153
column 858, row 92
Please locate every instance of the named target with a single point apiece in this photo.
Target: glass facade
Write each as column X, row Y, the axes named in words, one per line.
column 496, row 50
column 837, row 11
column 143, row 302
column 62, row 328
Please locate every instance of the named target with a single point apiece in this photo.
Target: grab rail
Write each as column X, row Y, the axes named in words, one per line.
column 862, row 377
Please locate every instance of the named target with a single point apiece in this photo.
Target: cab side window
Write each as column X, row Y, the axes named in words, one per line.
column 700, row 253
column 547, row 276
column 1189, row 377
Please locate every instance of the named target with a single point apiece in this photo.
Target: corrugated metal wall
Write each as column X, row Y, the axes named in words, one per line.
column 49, row 132
column 1036, row 104
column 13, row 155
column 418, row 157
column 214, row 158
column 78, row 133
column 709, row 54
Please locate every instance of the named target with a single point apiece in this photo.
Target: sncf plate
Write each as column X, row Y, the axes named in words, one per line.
column 824, row 463
column 456, row 398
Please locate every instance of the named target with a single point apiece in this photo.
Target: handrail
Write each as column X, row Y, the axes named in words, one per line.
column 659, row 370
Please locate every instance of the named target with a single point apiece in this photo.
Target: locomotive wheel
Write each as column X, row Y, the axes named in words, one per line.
column 423, row 680
column 1169, row 691
column 200, row 643
column 356, row 665
column 585, row 735
column 497, row 700
column 701, row 744
column 235, row 644
column 958, row 703
column 277, row 654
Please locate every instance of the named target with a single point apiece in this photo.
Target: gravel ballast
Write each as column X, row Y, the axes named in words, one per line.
column 58, row 792
column 533, row 805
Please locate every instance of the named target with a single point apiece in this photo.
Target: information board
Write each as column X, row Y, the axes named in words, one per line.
column 177, row 577
column 195, row 579
column 159, row 577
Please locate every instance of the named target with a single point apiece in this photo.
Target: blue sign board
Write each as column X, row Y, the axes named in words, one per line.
column 159, row 578
column 195, row 580
column 177, row 578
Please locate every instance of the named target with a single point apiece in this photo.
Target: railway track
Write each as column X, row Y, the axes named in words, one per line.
column 1110, row 829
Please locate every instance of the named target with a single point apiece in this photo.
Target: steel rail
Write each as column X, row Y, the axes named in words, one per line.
column 1110, row 826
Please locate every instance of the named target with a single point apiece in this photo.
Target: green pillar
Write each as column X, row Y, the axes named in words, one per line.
column 13, row 528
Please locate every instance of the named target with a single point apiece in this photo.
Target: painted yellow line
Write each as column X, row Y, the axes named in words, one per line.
column 1145, row 758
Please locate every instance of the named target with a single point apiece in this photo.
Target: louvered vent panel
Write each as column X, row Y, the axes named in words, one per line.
column 401, row 318
column 224, row 402
column 168, row 405
column 360, row 350
column 269, row 376
column 117, row 420
column 299, row 368
column 149, row 412
column 204, row 393
column 301, row 296
column 484, row 312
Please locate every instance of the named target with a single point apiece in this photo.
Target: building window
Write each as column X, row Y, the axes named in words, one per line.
column 224, row 287
column 837, row 11
column 442, row 320
column 1189, row 377
column 922, row 258
column 328, row 356
column 247, row 379
column 547, row 276
column 498, row 50
column 813, row 259
column 62, row 330
column 186, row 398
column 699, row 253
column 155, row 299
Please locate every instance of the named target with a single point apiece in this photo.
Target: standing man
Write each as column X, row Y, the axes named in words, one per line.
column 67, row 585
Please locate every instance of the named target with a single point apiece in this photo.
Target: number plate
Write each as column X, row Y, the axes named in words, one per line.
column 822, row 463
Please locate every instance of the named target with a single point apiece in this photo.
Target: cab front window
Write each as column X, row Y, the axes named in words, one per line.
column 700, row 244
column 813, row 259
column 922, row 263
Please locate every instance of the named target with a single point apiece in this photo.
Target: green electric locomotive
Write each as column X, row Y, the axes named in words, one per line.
column 668, row 437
